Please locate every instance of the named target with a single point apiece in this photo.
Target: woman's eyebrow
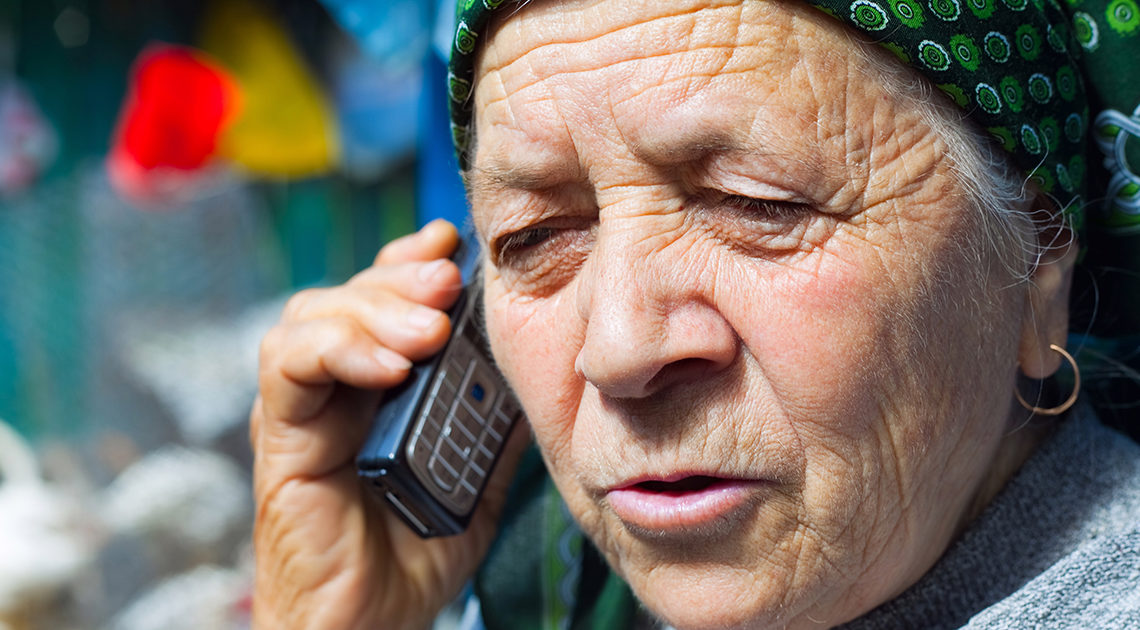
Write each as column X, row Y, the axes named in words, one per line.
column 525, row 173
column 680, row 145
column 694, row 148
column 499, row 176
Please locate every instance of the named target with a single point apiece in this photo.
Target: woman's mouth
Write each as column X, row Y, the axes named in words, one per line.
column 661, row 507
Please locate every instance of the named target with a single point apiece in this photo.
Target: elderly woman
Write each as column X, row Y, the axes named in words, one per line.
column 768, row 299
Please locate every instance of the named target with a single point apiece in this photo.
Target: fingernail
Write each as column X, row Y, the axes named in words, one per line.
column 428, row 272
column 422, row 316
column 391, row 360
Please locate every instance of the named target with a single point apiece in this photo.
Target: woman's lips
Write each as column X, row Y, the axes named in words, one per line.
column 681, row 504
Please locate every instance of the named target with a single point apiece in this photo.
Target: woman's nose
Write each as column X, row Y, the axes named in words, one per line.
column 649, row 329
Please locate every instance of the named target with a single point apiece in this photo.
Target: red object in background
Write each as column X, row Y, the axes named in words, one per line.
column 177, row 106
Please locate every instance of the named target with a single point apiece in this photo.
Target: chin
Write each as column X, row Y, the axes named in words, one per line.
column 722, row 597
column 689, row 610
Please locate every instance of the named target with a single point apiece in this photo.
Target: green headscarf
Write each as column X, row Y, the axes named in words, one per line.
column 1058, row 87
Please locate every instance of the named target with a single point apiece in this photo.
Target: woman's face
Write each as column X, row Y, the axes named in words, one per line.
column 749, row 311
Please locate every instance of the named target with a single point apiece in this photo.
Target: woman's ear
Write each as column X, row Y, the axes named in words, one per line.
column 1046, row 317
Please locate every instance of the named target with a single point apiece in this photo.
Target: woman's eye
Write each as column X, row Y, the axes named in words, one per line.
column 765, row 208
column 539, row 260
column 518, row 242
column 762, row 227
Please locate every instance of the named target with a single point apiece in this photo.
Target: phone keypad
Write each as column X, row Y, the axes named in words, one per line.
column 459, row 433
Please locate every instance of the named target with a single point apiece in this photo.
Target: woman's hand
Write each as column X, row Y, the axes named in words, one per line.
column 329, row 555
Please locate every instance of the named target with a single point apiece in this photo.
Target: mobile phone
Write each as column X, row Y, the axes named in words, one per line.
column 437, row 437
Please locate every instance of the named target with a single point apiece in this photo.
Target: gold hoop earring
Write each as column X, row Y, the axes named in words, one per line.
column 1063, row 407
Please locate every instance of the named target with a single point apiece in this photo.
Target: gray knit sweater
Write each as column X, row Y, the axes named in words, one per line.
column 1059, row 547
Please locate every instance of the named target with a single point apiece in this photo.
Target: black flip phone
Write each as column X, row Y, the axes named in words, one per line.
column 437, row 437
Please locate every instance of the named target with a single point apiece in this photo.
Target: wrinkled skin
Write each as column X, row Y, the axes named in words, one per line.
column 715, row 246
column 719, row 247
column 329, row 556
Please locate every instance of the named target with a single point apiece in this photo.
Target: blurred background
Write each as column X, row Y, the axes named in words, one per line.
column 171, row 170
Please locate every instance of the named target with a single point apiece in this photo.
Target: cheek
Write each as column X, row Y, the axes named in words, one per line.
column 837, row 339
column 867, row 352
column 817, row 337
column 814, row 330
column 535, row 343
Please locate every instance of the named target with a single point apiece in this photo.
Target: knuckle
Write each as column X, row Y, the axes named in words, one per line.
column 334, row 334
column 390, row 250
column 270, row 346
column 296, row 305
column 378, row 275
column 382, row 256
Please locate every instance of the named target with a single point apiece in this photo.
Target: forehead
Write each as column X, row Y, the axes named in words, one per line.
column 560, row 82
column 664, row 53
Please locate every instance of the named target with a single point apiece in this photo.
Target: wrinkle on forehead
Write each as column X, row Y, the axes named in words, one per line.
column 761, row 78
column 688, row 44
column 555, row 25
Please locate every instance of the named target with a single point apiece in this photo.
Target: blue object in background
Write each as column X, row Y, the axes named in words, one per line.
column 439, row 188
column 394, row 99
column 377, row 82
column 377, row 105
column 393, row 30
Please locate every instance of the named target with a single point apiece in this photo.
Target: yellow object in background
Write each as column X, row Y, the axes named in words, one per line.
column 286, row 127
